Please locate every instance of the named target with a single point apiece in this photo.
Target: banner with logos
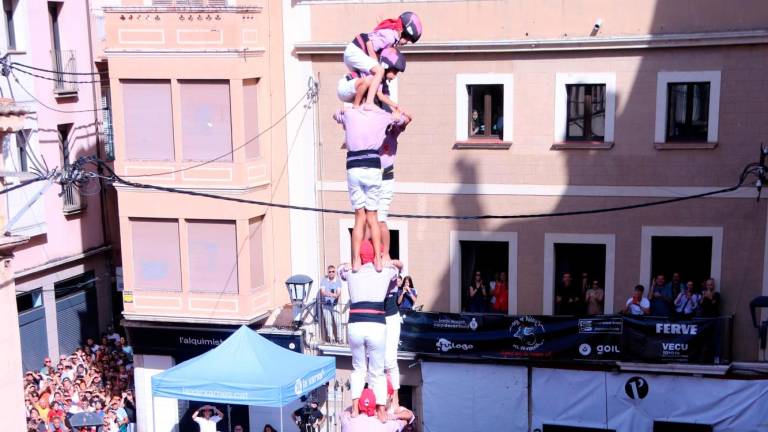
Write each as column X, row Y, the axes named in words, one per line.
column 558, row 338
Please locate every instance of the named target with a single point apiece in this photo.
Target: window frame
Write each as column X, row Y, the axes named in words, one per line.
column 9, row 12
column 463, row 138
column 487, row 119
column 662, row 102
column 549, row 286
column 688, row 110
column 587, row 116
column 561, row 109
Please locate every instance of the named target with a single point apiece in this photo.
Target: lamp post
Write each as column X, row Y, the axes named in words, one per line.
column 298, row 289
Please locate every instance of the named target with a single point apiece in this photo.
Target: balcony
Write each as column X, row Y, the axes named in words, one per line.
column 608, row 340
column 65, row 80
column 189, row 3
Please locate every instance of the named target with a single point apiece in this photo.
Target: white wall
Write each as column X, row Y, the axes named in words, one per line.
column 163, row 414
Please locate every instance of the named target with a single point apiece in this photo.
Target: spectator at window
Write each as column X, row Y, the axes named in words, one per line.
column 477, row 123
column 710, row 300
column 330, row 291
column 567, row 297
column 662, row 298
column 594, row 299
column 637, row 304
column 676, row 285
column 407, row 295
column 500, row 294
column 687, row 302
column 478, row 294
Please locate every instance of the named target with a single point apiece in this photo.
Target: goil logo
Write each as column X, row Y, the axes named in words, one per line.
column 585, row 349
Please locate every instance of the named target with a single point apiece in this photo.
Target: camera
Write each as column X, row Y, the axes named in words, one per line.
column 598, row 24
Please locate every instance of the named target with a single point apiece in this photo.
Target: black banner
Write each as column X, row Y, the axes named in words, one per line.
column 559, row 338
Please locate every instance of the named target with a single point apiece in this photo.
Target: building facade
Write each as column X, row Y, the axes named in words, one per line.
column 531, row 108
column 62, row 276
column 197, row 91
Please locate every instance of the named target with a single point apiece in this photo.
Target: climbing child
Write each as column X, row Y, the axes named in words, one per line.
column 362, row 54
column 364, row 133
column 353, row 86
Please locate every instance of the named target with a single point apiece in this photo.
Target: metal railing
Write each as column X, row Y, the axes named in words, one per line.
column 73, row 201
column 332, row 322
column 65, row 64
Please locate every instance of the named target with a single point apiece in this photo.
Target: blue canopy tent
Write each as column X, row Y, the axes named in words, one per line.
column 246, row 369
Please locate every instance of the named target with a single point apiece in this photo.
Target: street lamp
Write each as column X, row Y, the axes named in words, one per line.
column 298, row 289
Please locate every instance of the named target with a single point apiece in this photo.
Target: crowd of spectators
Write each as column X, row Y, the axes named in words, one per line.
column 97, row 378
column 675, row 299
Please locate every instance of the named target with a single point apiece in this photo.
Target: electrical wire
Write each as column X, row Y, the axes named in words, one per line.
column 60, row 80
column 117, row 179
column 310, row 96
column 50, row 107
column 12, row 64
column 22, row 184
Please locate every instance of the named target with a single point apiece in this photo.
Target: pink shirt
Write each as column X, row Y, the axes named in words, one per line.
column 383, row 38
column 363, row 423
column 365, row 129
column 389, row 147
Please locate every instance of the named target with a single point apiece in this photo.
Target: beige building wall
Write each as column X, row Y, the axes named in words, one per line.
column 234, row 46
column 640, row 47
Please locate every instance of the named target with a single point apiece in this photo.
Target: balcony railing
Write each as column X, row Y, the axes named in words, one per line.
column 189, row 3
column 600, row 338
column 65, row 64
column 72, row 200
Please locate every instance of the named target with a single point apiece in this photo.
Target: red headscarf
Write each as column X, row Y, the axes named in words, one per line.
column 367, row 403
column 366, row 252
column 391, row 24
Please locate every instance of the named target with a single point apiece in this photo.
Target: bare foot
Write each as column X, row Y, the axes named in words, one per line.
column 355, row 409
column 381, row 414
column 377, row 263
column 356, row 264
column 386, row 260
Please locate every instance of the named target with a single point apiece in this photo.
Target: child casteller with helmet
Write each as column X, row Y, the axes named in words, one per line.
column 353, row 86
column 362, row 54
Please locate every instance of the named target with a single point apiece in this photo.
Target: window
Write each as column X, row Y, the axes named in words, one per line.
column 156, row 257
column 579, row 267
column 483, row 111
column 9, row 7
column 22, row 146
column 590, row 262
column 106, row 123
column 586, row 112
column 148, row 119
column 486, row 110
column 687, row 111
column 212, row 256
column 481, row 263
column 251, row 117
column 29, row 300
column 694, row 265
column 257, row 252
column 205, row 120
column 65, row 145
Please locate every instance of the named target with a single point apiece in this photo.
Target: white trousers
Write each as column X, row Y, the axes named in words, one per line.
column 368, row 339
column 390, row 353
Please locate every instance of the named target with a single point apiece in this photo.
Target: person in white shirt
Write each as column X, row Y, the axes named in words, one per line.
column 637, row 304
column 207, row 421
column 367, row 331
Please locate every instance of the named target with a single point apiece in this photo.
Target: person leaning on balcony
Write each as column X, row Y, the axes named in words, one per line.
column 478, row 294
column 710, row 300
column 662, row 298
column 500, row 294
column 687, row 302
column 330, row 291
column 594, row 299
column 637, row 304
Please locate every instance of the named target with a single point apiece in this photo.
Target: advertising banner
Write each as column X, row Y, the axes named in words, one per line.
column 558, row 337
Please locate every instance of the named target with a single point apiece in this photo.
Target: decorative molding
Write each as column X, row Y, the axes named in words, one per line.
column 550, row 190
column 185, row 53
column 183, row 10
column 579, row 145
column 685, row 146
column 677, row 40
